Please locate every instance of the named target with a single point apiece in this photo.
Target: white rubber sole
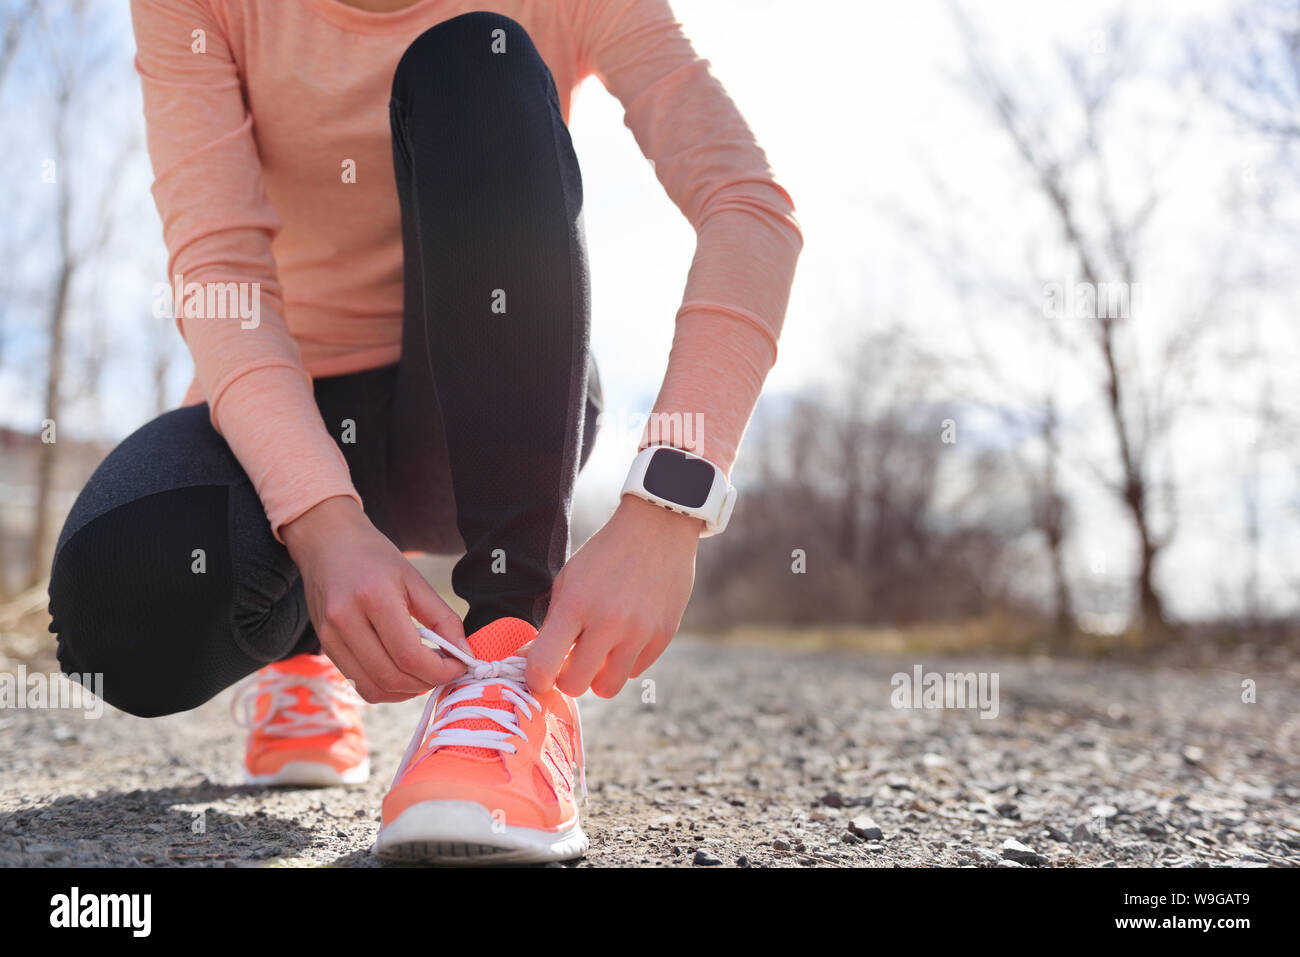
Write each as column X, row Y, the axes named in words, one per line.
column 463, row 832
column 311, row 774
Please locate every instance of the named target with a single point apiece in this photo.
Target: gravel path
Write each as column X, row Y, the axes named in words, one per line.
column 746, row 756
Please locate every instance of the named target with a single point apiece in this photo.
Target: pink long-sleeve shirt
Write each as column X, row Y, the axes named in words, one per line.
column 256, row 113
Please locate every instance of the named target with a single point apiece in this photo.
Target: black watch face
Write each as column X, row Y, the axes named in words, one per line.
column 674, row 477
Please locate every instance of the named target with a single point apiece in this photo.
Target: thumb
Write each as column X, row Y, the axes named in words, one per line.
column 430, row 610
column 558, row 633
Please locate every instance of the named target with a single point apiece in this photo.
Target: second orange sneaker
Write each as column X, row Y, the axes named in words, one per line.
column 304, row 725
column 489, row 776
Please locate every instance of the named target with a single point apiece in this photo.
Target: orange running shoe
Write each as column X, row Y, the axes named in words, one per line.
column 304, row 725
column 489, row 776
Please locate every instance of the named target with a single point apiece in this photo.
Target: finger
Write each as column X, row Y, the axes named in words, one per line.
column 344, row 631
column 390, row 619
column 430, row 610
column 589, row 653
column 610, row 680
column 558, row 633
column 649, row 655
column 356, row 632
column 347, row 663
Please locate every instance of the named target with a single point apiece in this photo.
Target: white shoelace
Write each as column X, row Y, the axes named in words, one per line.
column 508, row 674
column 330, row 697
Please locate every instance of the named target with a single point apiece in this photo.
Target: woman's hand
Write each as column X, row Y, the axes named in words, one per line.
column 618, row 601
column 361, row 595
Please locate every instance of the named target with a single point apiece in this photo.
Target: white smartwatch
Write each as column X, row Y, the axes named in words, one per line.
column 682, row 482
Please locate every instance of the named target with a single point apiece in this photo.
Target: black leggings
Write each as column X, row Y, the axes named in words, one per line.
column 473, row 440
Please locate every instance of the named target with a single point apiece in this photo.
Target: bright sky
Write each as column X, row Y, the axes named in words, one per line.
column 857, row 107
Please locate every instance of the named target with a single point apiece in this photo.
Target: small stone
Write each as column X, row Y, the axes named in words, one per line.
column 43, row 850
column 1193, row 755
column 848, row 837
column 742, row 861
column 704, row 859
column 1081, row 834
column 865, row 828
column 1056, row 834
column 833, row 799
column 779, row 845
column 1013, row 850
column 1009, row 863
column 1009, row 810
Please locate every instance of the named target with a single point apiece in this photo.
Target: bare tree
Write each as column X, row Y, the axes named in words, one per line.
column 65, row 268
column 1028, row 413
column 161, row 356
column 77, row 52
column 14, row 19
column 1051, row 513
column 15, row 15
column 1101, row 229
column 853, row 483
column 1250, row 65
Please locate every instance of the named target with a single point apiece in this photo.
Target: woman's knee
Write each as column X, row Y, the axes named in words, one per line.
column 176, row 450
column 144, row 590
column 473, row 51
column 141, row 598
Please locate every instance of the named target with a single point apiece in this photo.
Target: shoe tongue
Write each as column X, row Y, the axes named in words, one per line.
column 299, row 666
column 493, row 642
column 501, row 639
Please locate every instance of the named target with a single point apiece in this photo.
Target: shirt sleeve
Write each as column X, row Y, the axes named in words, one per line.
column 218, row 225
column 747, row 237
